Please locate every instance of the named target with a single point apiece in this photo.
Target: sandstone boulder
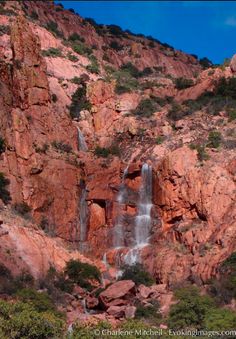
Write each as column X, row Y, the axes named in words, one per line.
column 116, row 311
column 117, row 290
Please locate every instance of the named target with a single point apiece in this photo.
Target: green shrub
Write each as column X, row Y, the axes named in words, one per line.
column 125, row 82
column 182, row 83
column 230, row 262
column 2, row 145
column 145, row 72
column 40, row 301
column 53, row 27
column 131, row 69
column 176, row 112
column 42, row 149
column 76, row 80
column 145, row 108
column 116, row 46
column 162, row 101
column 205, row 62
column 22, row 208
column 81, row 48
column 147, row 311
column 63, row 284
column 232, row 114
column 226, row 87
column 115, row 30
column 138, row 274
column 79, row 102
column 52, row 52
column 61, row 146
column 82, row 273
column 101, row 152
column 76, row 37
column 23, row 280
column 201, row 152
column 4, row 193
column 93, row 67
column 191, row 310
column 105, row 152
column 220, row 320
column 159, row 140
column 72, row 57
column 214, row 139
column 88, row 331
column 21, row 320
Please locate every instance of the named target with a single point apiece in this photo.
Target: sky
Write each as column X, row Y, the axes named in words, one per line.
column 204, row 28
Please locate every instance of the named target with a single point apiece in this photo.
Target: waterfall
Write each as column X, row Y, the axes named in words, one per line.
column 142, row 221
column 143, row 218
column 81, row 141
column 118, row 236
column 83, row 217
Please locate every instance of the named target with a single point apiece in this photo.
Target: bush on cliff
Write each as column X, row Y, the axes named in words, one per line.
column 52, row 52
column 116, row 46
column 76, row 37
column 82, row 273
column 105, row 152
column 53, row 27
column 80, row 48
column 145, row 108
column 4, row 193
column 214, row 139
column 138, row 274
column 182, row 83
column 94, row 66
column 205, row 62
column 79, row 102
column 61, row 146
column 22, row 208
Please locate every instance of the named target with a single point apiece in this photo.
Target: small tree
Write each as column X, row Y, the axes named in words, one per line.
column 138, row 274
column 214, row 139
column 82, row 273
column 145, row 108
column 182, row 83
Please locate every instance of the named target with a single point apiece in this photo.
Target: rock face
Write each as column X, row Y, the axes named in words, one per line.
column 192, row 211
column 37, row 177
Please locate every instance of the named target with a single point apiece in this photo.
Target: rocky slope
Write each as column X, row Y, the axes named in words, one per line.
column 53, row 154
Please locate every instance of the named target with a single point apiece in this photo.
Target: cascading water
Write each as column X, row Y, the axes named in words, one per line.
column 143, row 218
column 118, row 236
column 142, row 222
column 83, row 217
column 81, row 141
